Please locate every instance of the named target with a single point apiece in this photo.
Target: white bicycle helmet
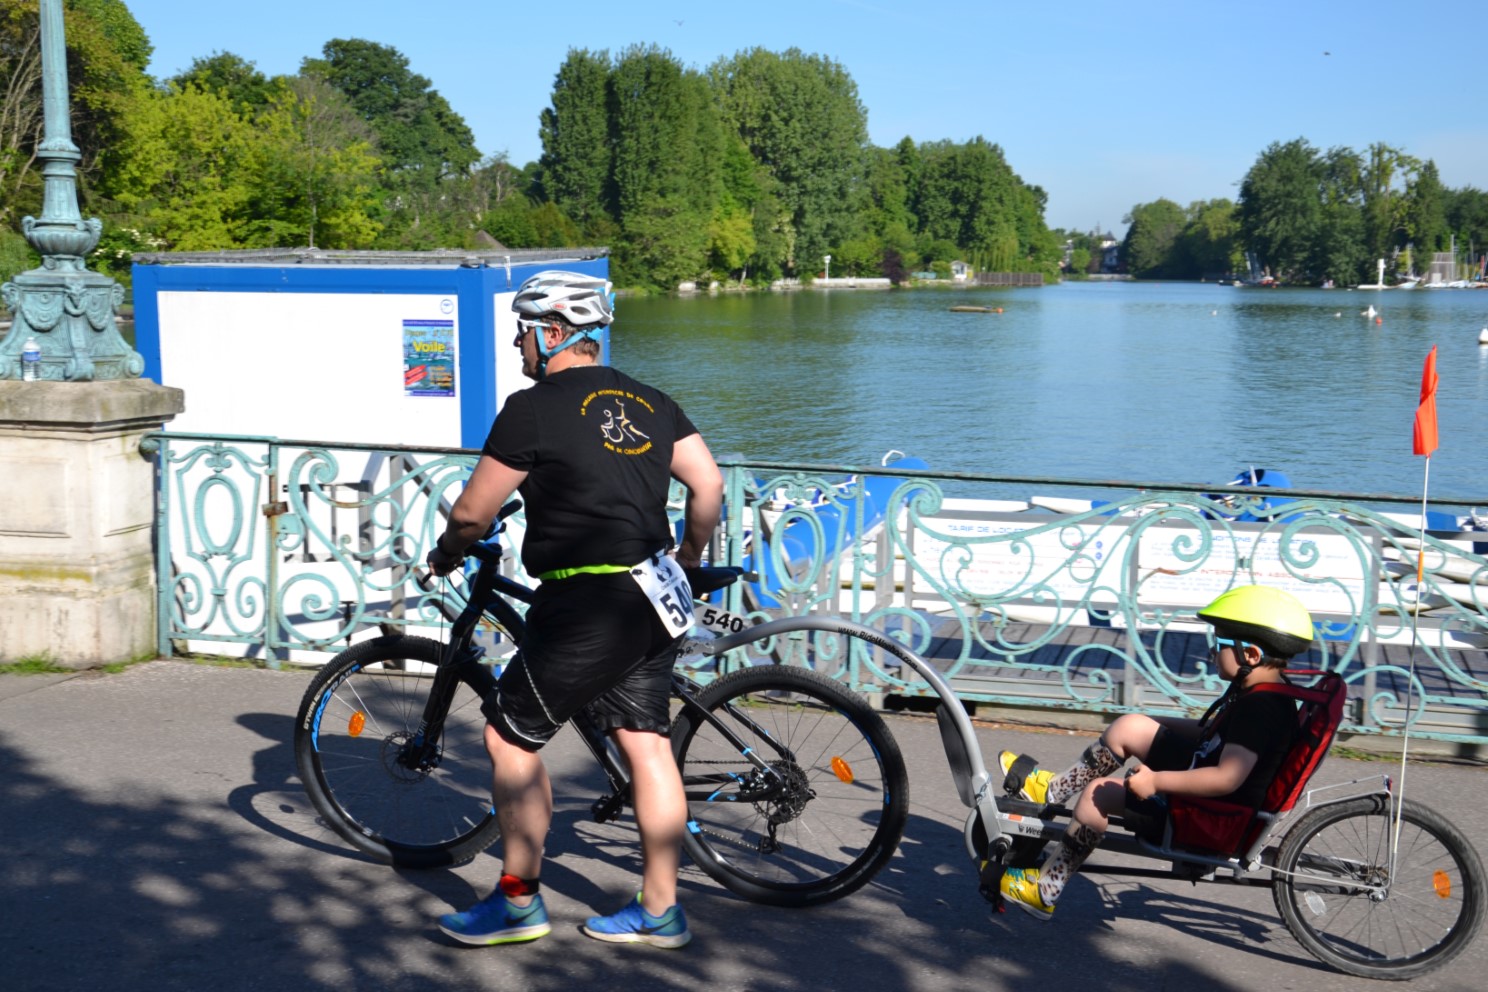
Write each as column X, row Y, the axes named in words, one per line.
column 583, row 301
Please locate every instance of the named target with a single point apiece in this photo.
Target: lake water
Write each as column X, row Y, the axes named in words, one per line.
column 1172, row 382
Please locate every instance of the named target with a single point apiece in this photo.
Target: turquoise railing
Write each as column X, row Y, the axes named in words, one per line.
column 287, row 550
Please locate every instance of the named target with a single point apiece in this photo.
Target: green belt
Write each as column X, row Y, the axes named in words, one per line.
column 565, row 573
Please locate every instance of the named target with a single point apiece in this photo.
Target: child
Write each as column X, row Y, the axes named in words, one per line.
column 1232, row 753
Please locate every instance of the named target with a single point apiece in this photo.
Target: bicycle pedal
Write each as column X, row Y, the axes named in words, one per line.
column 989, row 883
column 607, row 808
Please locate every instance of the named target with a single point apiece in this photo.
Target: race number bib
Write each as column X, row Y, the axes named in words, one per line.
column 665, row 584
column 719, row 621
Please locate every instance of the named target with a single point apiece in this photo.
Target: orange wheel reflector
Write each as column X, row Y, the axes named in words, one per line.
column 1442, row 883
column 356, row 723
column 842, row 769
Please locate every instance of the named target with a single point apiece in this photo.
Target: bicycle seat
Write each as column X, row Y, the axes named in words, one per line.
column 711, row 578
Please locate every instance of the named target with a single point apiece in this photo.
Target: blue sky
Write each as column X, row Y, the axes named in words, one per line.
column 1104, row 105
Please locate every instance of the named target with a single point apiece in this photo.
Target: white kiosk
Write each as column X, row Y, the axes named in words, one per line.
column 392, row 348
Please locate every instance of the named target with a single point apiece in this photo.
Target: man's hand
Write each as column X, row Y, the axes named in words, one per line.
column 440, row 562
column 1142, row 782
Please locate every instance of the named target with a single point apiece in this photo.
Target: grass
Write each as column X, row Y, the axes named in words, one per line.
column 220, row 661
column 37, row 664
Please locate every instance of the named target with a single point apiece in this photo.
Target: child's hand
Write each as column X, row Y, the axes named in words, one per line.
column 1142, row 781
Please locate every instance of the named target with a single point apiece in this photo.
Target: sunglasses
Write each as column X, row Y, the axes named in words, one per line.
column 1226, row 642
column 523, row 326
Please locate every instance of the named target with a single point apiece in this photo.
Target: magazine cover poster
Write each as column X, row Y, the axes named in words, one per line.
column 429, row 357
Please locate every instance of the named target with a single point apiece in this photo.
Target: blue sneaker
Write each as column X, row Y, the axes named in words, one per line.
column 493, row 920
column 633, row 925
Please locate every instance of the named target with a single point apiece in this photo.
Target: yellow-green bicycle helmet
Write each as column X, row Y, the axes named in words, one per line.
column 1273, row 620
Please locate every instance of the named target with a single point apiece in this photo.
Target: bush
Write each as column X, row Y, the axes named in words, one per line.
column 15, row 255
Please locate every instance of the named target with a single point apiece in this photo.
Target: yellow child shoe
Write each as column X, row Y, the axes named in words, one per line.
column 1035, row 783
column 1020, row 888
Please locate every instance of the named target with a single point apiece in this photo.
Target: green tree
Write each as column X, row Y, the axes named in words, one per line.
column 1280, row 212
column 421, row 140
column 315, row 181
column 107, row 53
column 1467, row 217
column 1426, row 212
column 1387, row 174
column 1152, row 235
column 187, row 164
column 1339, row 252
column 801, row 119
column 1209, row 244
column 230, row 76
column 420, row 137
column 667, row 144
column 576, row 160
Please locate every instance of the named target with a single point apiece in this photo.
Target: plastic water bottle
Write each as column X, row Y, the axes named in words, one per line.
column 30, row 360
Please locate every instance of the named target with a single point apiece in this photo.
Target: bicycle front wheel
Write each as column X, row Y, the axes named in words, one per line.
column 824, row 814
column 1349, row 907
column 355, row 742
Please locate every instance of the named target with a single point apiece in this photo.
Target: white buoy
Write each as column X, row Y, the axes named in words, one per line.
column 1483, row 336
column 1370, row 312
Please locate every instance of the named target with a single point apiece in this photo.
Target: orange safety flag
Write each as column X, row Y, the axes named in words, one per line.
column 1425, row 432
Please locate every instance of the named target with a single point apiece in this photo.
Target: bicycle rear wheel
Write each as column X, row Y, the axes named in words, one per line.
column 1345, row 904
column 353, row 735
column 826, row 815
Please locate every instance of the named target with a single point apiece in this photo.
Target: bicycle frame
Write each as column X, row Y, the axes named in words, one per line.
column 488, row 595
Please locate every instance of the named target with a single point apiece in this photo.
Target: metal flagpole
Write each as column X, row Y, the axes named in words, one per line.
column 1424, row 443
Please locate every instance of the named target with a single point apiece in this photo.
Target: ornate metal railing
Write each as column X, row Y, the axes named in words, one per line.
column 290, row 549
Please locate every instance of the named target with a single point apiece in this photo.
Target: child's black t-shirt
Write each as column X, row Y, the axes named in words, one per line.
column 1264, row 723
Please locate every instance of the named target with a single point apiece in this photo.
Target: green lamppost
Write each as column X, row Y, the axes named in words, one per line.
column 61, row 306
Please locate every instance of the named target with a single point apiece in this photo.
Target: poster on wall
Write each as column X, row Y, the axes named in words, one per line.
column 429, row 357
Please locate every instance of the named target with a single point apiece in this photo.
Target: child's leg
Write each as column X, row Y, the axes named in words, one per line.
column 1067, row 858
column 1098, row 760
column 1127, row 736
column 1100, row 800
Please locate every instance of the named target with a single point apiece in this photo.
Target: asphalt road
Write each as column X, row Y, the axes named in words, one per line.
column 158, row 839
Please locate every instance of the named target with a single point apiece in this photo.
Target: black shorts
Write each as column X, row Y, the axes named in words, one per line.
column 1172, row 751
column 593, row 642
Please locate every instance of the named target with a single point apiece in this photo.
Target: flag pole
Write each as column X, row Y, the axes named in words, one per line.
column 1424, row 442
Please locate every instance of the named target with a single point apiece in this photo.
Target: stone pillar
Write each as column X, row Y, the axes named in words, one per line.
column 77, row 510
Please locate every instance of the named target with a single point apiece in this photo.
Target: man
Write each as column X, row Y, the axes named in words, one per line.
column 592, row 452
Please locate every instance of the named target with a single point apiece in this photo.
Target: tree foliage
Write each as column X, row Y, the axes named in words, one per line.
column 1149, row 249
column 753, row 169
column 107, row 53
column 800, row 117
column 1308, row 216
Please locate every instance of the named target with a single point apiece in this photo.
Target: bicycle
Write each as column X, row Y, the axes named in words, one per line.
column 797, row 792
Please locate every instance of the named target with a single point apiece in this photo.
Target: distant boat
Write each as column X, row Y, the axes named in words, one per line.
column 967, row 309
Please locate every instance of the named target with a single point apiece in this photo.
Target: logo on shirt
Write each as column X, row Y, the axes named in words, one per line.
column 620, row 433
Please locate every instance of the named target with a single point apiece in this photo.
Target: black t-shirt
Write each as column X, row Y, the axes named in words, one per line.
column 597, row 449
column 1264, row 723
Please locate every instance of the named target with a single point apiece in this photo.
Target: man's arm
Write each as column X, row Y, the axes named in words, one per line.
column 694, row 467
column 490, row 486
